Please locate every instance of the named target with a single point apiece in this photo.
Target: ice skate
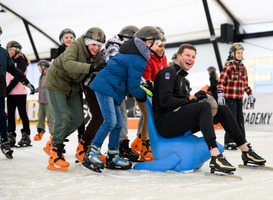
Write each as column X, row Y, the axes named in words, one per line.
column 81, row 150
column 5, row 148
column 113, row 161
column 92, row 159
column 136, row 145
column 126, row 152
column 48, row 146
column 39, row 135
column 56, row 160
column 12, row 138
column 220, row 164
column 146, row 153
column 231, row 146
column 252, row 158
column 25, row 140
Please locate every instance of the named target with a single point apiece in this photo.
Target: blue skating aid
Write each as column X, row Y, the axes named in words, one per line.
column 179, row 154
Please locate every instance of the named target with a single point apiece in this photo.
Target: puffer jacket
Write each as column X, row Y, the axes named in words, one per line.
column 70, row 68
column 123, row 72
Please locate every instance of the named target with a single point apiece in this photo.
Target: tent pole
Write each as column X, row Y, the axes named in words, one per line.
column 31, row 40
column 212, row 35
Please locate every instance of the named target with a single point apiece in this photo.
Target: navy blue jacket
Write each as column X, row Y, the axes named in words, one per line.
column 123, row 72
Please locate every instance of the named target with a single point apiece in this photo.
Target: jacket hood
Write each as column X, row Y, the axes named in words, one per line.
column 135, row 46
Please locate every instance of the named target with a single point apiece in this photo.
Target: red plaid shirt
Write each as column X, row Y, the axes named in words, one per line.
column 233, row 81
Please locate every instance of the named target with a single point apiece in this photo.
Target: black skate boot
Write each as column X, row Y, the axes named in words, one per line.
column 219, row 163
column 92, row 159
column 231, row 146
column 113, row 161
column 25, row 141
column 251, row 157
column 12, row 138
column 126, row 152
column 5, row 148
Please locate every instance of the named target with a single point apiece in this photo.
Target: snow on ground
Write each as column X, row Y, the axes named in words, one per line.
column 26, row 177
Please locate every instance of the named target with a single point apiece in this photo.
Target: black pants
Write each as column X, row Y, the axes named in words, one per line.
column 198, row 117
column 236, row 108
column 97, row 118
column 18, row 101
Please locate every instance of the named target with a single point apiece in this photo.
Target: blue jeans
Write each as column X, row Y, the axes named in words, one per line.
column 113, row 122
column 3, row 118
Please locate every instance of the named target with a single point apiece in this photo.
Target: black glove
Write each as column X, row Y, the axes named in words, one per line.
column 96, row 68
column 143, row 99
column 31, row 87
column 200, row 95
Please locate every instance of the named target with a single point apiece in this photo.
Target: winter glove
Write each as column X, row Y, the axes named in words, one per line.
column 221, row 99
column 96, row 68
column 31, row 87
column 200, row 95
column 143, row 99
column 148, row 86
column 148, row 92
column 252, row 100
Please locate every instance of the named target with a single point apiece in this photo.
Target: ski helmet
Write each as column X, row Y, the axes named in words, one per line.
column 65, row 31
column 211, row 68
column 43, row 63
column 95, row 34
column 148, row 33
column 234, row 47
column 163, row 39
column 15, row 45
column 128, row 31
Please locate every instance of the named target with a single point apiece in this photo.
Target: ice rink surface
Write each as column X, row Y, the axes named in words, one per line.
column 25, row 177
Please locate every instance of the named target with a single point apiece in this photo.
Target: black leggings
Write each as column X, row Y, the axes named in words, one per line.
column 18, row 101
column 198, row 117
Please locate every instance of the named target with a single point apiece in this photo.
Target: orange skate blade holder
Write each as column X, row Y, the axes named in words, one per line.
column 59, row 168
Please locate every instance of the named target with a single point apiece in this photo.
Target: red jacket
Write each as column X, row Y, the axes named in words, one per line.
column 154, row 66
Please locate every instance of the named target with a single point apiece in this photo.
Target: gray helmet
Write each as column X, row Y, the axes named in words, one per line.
column 14, row 44
column 163, row 38
column 96, row 34
column 128, row 31
column 65, row 31
column 148, row 33
column 211, row 68
column 43, row 63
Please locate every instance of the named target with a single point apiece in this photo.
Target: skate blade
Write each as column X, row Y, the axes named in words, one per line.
column 262, row 167
column 91, row 167
column 52, row 167
column 224, row 175
column 20, row 146
column 46, row 150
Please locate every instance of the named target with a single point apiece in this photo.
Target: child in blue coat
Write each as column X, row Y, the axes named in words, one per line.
column 121, row 75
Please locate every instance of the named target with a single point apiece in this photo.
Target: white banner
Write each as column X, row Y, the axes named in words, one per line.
column 259, row 118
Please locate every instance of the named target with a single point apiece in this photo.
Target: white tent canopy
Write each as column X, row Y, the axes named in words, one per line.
column 183, row 20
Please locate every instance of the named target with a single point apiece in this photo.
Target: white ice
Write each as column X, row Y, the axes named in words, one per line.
column 26, row 177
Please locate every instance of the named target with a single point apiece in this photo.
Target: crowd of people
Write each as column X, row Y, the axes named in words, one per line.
column 132, row 64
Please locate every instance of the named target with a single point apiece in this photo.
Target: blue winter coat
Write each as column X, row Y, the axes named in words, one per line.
column 123, row 72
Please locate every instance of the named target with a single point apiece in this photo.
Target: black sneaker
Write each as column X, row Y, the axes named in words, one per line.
column 251, row 157
column 219, row 163
column 126, row 152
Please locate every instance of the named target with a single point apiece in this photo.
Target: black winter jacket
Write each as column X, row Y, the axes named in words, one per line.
column 171, row 90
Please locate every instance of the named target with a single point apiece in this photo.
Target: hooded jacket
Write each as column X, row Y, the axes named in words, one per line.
column 70, row 68
column 123, row 72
